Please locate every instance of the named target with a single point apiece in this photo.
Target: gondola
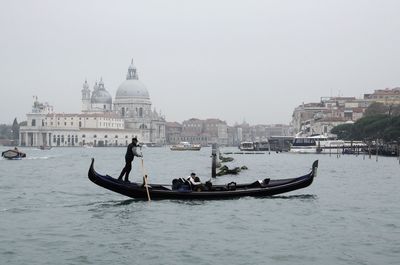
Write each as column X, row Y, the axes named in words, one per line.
column 259, row 188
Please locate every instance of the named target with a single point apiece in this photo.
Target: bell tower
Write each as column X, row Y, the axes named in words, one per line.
column 86, row 97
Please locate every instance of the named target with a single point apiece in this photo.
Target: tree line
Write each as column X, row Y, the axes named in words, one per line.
column 380, row 121
column 10, row 132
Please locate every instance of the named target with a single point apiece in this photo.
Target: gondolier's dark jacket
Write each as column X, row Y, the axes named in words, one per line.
column 131, row 152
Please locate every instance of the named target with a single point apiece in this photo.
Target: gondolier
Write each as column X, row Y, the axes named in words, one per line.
column 131, row 152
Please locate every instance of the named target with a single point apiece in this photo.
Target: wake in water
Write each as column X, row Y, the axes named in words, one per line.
column 295, row 197
column 26, row 158
column 37, row 157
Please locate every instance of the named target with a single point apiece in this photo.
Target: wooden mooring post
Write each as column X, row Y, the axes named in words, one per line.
column 369, row 150
column 364, row 154
column 214, row 157
column 398, row 152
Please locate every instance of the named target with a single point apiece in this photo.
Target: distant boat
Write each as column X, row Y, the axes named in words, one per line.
column 44, row 147
column 13, row 154
column 185, row 146
column 153, row 144
column 320, row 144
column 254, row 146
column 247, row 146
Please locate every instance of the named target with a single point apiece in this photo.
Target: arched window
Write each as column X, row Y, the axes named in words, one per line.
column 123, row 112
column 140, row 112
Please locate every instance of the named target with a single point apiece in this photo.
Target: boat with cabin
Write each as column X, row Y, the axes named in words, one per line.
column 185, row 146
column 254, row 146
column 246, row 146
column 321, row 144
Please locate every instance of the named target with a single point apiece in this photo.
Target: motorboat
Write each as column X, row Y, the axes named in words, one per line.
column 254, row 146
column 247, row 146
column 320, row 144
column 13, row 154
column 185, row 146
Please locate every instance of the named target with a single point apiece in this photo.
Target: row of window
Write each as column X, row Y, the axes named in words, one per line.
column 138, row 110
column 105, row 136
column 72, row 118
column 33, row 123
column 69, row 139
column 189, row 139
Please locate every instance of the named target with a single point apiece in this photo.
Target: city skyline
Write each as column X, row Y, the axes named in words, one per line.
column 227, row 60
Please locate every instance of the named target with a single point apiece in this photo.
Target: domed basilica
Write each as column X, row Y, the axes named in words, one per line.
column 132, row 104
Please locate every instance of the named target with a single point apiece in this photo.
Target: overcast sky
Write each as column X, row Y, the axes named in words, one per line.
column 233, row 60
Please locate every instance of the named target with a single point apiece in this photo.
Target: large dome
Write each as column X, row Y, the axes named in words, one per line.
column 101, row 97
column 132, row 88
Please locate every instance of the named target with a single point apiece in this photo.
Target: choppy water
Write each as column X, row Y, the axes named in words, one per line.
column 50, row 213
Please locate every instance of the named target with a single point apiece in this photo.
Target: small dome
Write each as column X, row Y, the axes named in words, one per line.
column 101, row 96
column 132, row 88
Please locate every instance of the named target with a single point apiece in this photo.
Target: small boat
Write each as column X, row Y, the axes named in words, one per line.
column 151, row 144
column 13, row 154
column 254, row 146
column 185, row 146
column 259, row 188
column 44, row 147
column 247, row 146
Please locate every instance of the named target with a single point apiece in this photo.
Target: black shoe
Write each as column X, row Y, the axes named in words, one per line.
column 126, row 180
column 120, row 178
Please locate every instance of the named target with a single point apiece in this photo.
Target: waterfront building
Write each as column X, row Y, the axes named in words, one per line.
column 386, row 96
column 100, row 123
column 256, row 133
column 316, row 118
column 173, row 132
column 197, row 131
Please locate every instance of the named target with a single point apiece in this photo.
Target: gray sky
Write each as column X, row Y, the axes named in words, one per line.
column 233, row 60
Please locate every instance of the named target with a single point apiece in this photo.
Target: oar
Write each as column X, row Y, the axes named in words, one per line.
column 145, row 178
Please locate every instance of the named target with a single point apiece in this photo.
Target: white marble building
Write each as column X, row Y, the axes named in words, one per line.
column 99, row 124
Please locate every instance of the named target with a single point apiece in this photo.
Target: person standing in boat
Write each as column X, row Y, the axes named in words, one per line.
column 131, row 152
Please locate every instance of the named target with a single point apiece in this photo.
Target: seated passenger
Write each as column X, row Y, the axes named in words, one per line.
column 195, row 182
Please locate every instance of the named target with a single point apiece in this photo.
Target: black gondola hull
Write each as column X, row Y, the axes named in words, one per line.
column 158, row 191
